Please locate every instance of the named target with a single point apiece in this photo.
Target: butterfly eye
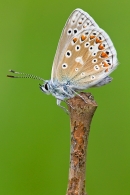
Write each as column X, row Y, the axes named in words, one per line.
column 94, row 60
column 92, row 77
column 68, row 54
column 77, row 47
column 69, row 31
column 46, row 86
column 96, row 67
column 76, row 69
column 64, row 66
column 87, row 44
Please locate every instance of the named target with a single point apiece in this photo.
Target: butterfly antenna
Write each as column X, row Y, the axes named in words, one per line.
column 24, row 75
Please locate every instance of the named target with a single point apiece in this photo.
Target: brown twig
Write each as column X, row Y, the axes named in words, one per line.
column 80, row 119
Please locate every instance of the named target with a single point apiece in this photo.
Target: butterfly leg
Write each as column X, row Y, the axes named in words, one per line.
column 72, row 94
column 78, row 95
column 59, row 104
column 69, row 105
column 68, row 94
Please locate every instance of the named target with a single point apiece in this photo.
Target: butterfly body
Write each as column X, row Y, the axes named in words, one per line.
column 59, row 91
column 84, row 58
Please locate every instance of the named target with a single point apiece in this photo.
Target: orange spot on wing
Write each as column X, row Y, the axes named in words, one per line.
column 80, row 22
column 106, row 70
column 104, row 55
column 84, row 26
column 75, row 39
column 92, row 37
column 105, row 64
column 98, row 40
column 100, row 47
column 83, row 37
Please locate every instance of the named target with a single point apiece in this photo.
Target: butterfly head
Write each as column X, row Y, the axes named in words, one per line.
column 45, row 87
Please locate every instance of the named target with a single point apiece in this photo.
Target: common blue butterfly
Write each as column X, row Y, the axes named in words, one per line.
column 84, row 58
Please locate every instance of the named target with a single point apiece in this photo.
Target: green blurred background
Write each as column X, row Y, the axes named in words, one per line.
column 34, row 132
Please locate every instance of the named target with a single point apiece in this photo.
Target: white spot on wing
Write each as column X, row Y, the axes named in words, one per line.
column 76, row 69
column 77, row 47
column 83, row 73
column 64, row 66
column 92, row 77
column 69, row 31
column 96, row 67
column 94, row 60
column 79, row 60
column 68, row 54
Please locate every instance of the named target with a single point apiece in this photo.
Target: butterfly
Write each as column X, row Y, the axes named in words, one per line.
column 84, row 58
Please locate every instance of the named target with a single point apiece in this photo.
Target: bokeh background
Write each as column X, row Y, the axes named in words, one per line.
column 34, row 132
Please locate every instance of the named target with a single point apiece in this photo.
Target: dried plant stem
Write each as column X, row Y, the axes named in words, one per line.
column 80, row 120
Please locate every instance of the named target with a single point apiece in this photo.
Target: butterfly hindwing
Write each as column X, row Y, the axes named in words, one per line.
column 92, row 63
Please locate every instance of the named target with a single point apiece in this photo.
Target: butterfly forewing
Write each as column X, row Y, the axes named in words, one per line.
column 77, row 21
column 85, row 53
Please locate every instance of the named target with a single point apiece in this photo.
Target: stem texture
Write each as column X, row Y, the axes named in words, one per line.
column 80, row 119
